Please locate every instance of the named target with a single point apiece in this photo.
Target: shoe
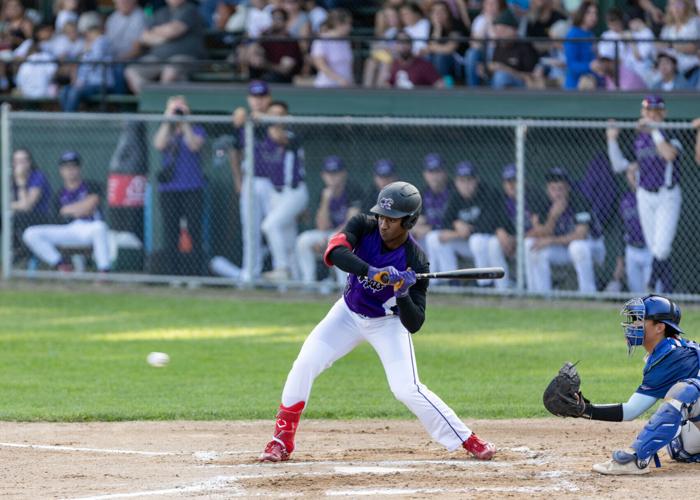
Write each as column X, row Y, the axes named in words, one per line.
column 482, row 450
column 274, row 452
column 276, row 275
column 623, row 463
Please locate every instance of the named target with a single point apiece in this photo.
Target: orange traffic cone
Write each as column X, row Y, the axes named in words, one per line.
column 184, row 243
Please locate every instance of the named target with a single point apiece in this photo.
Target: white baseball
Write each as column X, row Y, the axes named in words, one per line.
column 158, row 359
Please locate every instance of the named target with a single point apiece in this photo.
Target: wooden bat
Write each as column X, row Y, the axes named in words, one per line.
column 477, row 273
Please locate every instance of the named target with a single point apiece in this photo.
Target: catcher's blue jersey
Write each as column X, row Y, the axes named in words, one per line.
column 672, row 360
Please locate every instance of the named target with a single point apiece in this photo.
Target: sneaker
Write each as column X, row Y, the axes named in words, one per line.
column 623, row 463
column 274, row 452
column 482, row 450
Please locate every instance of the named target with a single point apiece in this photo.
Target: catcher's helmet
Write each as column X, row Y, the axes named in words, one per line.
column 661, row 309
column 399, row 200
column 653, row 307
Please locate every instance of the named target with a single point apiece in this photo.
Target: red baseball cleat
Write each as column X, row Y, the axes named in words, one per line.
column 482, row 450
column 274, row 452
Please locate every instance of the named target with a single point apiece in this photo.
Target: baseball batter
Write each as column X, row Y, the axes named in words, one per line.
column 384, row 315
column 671, row 372
column 659, row 192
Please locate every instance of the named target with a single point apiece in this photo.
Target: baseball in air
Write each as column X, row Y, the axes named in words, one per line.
column 158, row 359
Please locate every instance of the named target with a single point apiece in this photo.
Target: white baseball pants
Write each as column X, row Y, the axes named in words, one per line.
column 484, row 248
column 252, row 252
column 339, row 333
column 307, row 255
column 583, row 254
column 43, row 240
column 637, row 268
column 280, row 225
column 658, row 216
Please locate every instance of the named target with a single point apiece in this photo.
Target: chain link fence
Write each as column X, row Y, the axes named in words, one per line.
column 194, row 200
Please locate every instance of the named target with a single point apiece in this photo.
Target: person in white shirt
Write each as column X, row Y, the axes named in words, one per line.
column 683, row 24
column 333, row 58
column 417, row 26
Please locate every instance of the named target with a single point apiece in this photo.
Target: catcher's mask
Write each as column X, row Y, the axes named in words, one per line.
column 653, row 307
column 633, row 314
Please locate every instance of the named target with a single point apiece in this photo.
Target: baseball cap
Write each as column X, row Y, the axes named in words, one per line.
column 465, row 169
column 69, row 157
column 556, row 174
column 432, row 162
column 258, row 88
column 509, row 172
column 384, row 168
column 333, row 164
column 507, row 18
column 653, row 102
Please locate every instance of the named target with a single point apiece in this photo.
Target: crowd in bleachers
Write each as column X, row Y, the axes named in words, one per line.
column 83, row 49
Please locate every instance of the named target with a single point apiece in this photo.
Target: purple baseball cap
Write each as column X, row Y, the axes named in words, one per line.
column 384, row 168
column 465, row 169
column 556, row 174
column 653, row 101
column 333, row 164
column 258, row 88
column 509, row 172
column 69, row 157
column 432, row 162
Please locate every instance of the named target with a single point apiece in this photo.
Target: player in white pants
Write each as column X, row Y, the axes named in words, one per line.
column 78, row 205
column 564, row 231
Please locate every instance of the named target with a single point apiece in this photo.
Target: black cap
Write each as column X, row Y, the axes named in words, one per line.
column 258, row 88
column 556, row 174
column 384, row 168
column 69, row 157
column 333, row 164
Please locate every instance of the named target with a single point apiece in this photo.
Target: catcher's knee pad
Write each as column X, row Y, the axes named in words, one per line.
column 686, row 447
column 659, row 431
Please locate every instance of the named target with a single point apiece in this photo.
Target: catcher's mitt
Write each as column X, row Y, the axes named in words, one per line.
column 562, row 396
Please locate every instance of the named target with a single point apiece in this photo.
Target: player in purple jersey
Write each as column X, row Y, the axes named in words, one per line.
column 77, row 207
column 384, row 174
column 31, row 195
column 658, row 191
column 671, row 372
column 436, row 194
column 383, row 314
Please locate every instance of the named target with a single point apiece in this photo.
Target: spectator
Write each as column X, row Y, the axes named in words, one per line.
column 667, row 76
column 551, row 69
column 81, row 222
column 480, row 52
column 258, row 19
column 272, row 59
column 35, row 76
column 288, row 197
column 181, row 189
column 409, row 71
column 469, row 224
column 627, row 78
column 67, row 45
column 443, row 43
column 384, row 174
column 340, row 200
column 123, row 29
column 436, row 194
column 540, row 18
column 513, row 60
column 458, row 11
column 564, row 230
column 333, row 58
column 16, row 28
column 580, row 54
column 681, row 23
column 175, row 36
column 31, row 195
column 613, row 40
column 91, row 77
column 317, row 15
column 415, row 25
column 378, row 65
column 67, row 11
column 298, row 24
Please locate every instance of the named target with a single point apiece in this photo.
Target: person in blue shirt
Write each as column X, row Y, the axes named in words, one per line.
column 671, row 373
column 580, row 54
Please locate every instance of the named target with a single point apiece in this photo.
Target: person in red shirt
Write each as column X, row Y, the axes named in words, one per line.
column 409, row 71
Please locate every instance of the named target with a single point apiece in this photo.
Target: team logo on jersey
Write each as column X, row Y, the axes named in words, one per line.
column 386, row 203
column 370, row 284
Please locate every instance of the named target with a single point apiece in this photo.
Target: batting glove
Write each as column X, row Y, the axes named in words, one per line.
column 408, row 279
column 385, row 275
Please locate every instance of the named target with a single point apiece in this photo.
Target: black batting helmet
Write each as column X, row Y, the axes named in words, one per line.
column 399, row 200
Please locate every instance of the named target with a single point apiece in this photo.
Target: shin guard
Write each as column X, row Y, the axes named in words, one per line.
column 658, row 432
column 286, row 424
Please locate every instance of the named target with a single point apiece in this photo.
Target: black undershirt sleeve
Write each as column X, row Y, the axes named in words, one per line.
column 344, row 259
column 609, row 413
column 412, row 309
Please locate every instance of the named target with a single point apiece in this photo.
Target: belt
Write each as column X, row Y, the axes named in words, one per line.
column 656, row 190
column 279, row 189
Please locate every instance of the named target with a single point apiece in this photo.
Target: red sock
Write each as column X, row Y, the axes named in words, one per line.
column 286, row 424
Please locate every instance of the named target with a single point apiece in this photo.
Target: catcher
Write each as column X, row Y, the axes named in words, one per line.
column 671, row 372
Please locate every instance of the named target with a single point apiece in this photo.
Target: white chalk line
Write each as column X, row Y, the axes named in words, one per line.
column 52, row 447
column 432, row 491
column 216, row 484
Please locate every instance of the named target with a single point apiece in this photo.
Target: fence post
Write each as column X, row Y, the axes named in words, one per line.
column 520, row 131
column 249, row 201
column 5, row 179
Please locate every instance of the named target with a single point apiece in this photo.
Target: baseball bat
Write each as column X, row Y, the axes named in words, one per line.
column 477, row 273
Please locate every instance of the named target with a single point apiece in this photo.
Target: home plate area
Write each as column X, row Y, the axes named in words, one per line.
column 540, row 458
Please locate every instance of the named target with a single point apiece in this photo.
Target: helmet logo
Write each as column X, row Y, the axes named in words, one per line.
column 386, row 203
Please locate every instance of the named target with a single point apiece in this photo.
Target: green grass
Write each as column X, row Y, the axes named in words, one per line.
column 80, row 356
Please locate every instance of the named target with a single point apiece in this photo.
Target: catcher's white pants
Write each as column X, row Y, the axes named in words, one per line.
column 307, row 255
column 582, row 253
column 658, row 216
column 43, row 240
column 638, row 263
column 484, row 248
column 339, row 333
column 260, row 204
column 280, row 224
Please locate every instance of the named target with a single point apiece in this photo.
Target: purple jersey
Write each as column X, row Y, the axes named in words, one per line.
column 67, row 197
column 37, row 179
column 365, row 296
column 188, row 173
column 577, row 212
column 630, row 220
column 351, row 197
column 654, row 171
column 511, row 212
column 434, row 206
column 284, row 164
